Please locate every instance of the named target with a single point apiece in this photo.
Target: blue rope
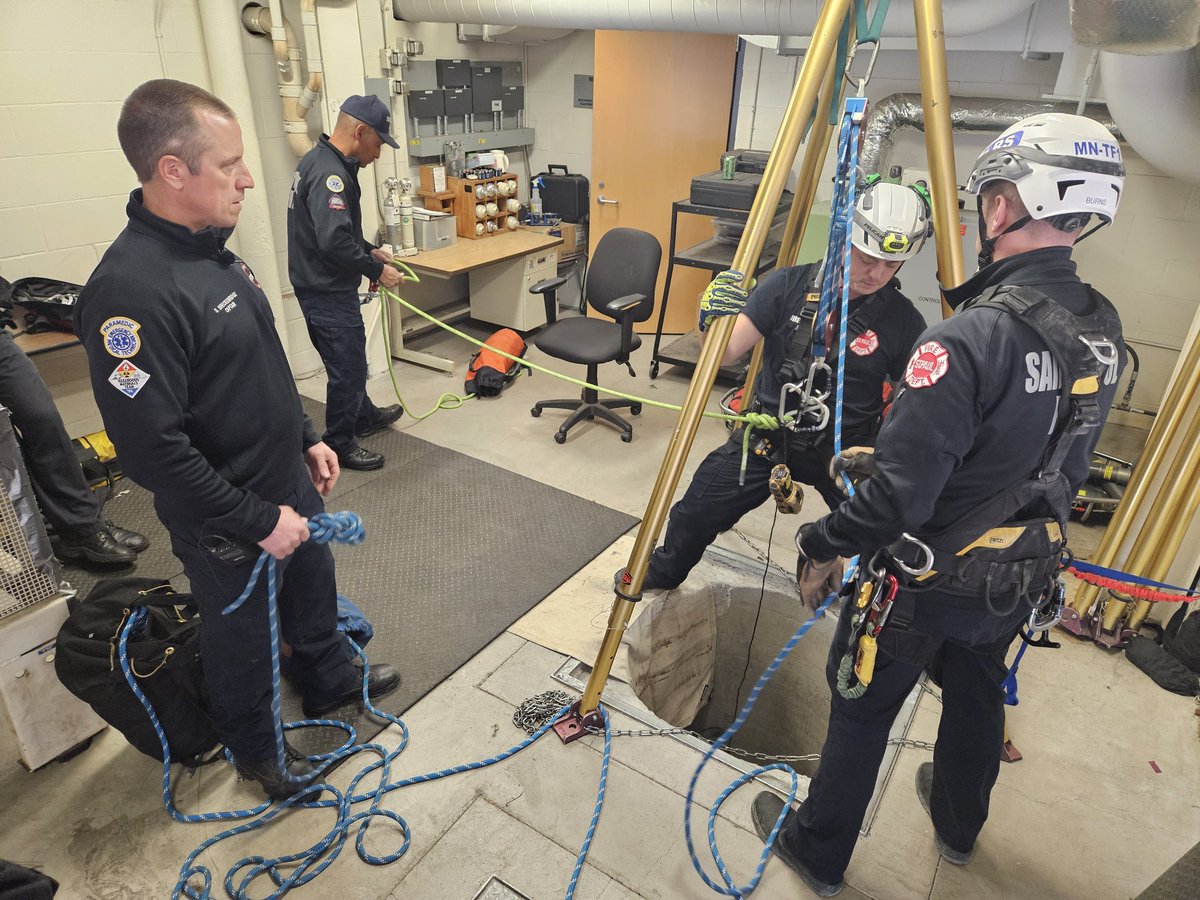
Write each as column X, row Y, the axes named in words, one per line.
column 1010, row 680
column 296, row 869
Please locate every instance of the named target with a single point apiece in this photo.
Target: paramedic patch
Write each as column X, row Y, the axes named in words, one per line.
column 865, row 344
column 334, row 184
column 121, row 337
column 927, row 366
column 128, row 378
column 336, row 201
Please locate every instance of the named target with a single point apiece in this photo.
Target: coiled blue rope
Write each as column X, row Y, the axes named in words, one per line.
column 295, row 869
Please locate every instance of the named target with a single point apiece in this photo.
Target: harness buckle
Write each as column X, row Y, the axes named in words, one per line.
column 812, row 410
column 916, row 571
column 1044, row 617
column 1103, row 349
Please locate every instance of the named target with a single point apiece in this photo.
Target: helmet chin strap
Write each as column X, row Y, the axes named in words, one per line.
column 987, row 245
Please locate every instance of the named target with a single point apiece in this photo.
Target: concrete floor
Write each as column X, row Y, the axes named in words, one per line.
column 1104, row 801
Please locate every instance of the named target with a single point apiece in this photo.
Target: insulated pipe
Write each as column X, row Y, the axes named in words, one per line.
column 312, row 50
column 1157, row 101
column 986, row 114
column 939, row 144
column 1162, row 436
column 1163, row 533
column 230, row 82
column 779, row 17
column 816, row 63
column 296, row 98
column 816, row 148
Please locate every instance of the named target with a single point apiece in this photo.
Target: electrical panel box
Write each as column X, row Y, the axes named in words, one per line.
column 500, row 293
column 513, row 98
column 458, row 101
column 426, row 104
column 453, row 72
column 486, row 88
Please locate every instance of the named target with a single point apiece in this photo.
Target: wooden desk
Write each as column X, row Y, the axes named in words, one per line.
column 461, row 258
column 42, row 342
column 465, row 254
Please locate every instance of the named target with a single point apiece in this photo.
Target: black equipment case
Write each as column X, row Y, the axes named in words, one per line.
column 564, row 195
column 729, row 193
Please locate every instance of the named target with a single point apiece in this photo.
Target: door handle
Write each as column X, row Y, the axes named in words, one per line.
column 603, row 199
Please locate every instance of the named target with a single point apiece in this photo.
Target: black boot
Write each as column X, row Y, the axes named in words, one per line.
column 387, row 416
column 98, row 547
column 381, row 681
column 360, row 459
column 127, row 538
column 278, row 786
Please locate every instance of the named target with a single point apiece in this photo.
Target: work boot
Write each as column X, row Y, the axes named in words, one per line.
column 278, row 786
column 127, row 538
column 387, row 416
column 98, row 547
column 382, row 679
column 924, row 790
column 360, row 459
column 765, row 812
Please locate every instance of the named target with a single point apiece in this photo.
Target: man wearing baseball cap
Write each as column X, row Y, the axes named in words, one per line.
column 327, row 261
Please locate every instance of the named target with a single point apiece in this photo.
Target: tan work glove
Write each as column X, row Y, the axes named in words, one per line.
column 857, row 462
column 816, row 579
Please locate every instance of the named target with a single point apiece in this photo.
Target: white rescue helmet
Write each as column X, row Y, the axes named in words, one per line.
column 1061, row 165
column 891, row 221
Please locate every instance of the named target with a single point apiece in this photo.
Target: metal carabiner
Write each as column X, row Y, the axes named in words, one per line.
column 918, row 571
column 1104, row 350
column 861, row 84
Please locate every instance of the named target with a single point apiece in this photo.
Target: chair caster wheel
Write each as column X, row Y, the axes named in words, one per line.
column 636, row 409
column 559, row 437
column 536, row 411
column 653, row 371
column 627, row 437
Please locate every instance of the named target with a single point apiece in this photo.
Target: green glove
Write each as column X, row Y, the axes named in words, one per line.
column 724, row 296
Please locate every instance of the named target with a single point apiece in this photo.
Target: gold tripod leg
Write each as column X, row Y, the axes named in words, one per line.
column 804, row 94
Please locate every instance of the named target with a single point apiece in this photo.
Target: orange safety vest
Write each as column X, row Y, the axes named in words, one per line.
column 489, row 371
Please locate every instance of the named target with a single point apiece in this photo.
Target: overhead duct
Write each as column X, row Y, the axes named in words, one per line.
column 1136, row 26
column 1156, row 100
column 509, row 34
column 778, row 17
column 889, row 115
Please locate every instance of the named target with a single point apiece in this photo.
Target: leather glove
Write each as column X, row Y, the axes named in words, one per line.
column 724, row 296
column 816, row 579
column 857, row 462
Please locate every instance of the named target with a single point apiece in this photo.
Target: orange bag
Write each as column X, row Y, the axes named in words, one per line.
column 489, row 371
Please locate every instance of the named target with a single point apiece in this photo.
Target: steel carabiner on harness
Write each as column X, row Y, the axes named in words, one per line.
column 812, row 408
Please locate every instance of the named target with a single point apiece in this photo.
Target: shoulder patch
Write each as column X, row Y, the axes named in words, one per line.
column 249, row 273
column 865, row 344
column 336, row 201
column 334, row 183
column 128, row 378
column 121, row 337
column 927, row 366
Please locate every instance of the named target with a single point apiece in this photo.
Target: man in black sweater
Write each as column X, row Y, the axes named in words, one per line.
column 327, row 261
column 197, row 395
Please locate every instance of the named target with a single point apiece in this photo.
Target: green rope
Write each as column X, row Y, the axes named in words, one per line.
column 754, row 420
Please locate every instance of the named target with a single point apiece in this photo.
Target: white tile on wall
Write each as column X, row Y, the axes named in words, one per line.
column 77, row 25
column 1161, row 238
column 73, row 265
column 8, row 135
column 1181, row 279
column 189, row 67
column 82, row 221
column 37, row 76
column 99, row 174
column 66, row 127
column 1192, row 212
column 20, row 231
column 1153, row 195
column 30, row 180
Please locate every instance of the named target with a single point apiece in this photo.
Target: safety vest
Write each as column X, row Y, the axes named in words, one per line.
column 998, row 548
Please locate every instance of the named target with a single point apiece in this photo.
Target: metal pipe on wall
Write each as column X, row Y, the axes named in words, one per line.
column 1162, row 436
column 745, row 259
column 939, row 143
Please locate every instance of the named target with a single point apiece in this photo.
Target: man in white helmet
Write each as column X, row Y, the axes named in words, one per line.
column 891, row 223
column 963, row 520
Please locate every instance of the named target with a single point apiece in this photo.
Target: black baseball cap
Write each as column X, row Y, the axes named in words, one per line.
column 370, row 110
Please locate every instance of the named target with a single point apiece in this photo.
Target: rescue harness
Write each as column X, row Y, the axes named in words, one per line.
column 1013, row 544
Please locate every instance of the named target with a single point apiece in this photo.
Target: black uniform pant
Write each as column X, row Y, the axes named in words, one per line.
column 336, row 329
column 965, row 648
column 64, row 496
column 236, row 649
column 714, row 502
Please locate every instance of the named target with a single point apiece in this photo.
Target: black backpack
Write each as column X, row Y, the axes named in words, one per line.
column 164, row 653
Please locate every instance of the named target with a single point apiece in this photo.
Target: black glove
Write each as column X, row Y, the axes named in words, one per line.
column 857, row 462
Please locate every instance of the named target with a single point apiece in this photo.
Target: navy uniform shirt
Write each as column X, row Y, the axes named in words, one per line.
column 327, row 253
column 979, row 400
column 876, row 354
column 191, row 378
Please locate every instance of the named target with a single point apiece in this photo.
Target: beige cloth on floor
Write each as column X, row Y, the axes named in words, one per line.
column 672, row 650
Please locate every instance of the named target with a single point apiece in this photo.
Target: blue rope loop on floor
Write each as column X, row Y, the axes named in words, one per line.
column 295, row 869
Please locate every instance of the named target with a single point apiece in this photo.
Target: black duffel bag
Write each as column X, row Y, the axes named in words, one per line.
column 164, row 653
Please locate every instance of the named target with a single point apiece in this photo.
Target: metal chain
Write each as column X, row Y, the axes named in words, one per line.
column 536, row 711
column 762, row 556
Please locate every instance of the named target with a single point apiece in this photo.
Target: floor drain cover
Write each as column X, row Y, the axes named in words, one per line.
column 495, row 889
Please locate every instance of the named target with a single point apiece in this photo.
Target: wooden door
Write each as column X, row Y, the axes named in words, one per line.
column 660, row 116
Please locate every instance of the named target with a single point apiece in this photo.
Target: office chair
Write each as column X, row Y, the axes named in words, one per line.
column 621, row 279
